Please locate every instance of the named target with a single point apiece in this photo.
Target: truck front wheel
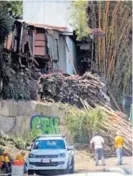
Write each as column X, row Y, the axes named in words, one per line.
column 30, row 172
column 71, row 170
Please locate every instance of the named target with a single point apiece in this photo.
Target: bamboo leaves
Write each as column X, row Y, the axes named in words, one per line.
column 82, row 123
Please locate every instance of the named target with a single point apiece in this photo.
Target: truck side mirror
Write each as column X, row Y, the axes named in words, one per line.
column 69, row 147
column 28, row 148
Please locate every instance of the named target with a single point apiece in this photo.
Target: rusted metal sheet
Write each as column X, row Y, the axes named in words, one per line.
column 31, row 38
column 40, row 44
column 39, row 51
column 40, row 36
column 44, row 26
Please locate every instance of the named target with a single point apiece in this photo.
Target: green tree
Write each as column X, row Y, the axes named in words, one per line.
column 6, row 23
column 16, row 7
column 78, row 18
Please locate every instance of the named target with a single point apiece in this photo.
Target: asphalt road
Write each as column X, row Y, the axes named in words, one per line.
column 110, row 163
column 87, row 166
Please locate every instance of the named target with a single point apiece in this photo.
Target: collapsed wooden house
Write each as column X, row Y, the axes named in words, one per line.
column 48, row 46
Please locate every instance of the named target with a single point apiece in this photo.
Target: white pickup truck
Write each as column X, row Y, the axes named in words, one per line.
column 50, row 153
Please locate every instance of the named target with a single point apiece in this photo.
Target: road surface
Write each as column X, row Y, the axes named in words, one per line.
column 85, row 164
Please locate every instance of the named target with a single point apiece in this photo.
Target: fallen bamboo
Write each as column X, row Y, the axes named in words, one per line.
column 112, row 124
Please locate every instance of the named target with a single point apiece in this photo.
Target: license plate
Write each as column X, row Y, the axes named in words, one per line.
column 45, row 160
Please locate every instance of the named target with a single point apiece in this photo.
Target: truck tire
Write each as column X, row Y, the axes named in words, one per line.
column 30, row 172
column 72, row 170
column 66, row 171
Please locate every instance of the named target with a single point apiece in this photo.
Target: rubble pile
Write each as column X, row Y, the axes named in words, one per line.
column 57, row 87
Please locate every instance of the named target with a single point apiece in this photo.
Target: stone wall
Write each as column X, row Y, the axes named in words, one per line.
column 15, row 117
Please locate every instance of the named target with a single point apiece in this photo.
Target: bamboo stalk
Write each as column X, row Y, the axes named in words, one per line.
column 114, row 53
column 104, row 42
column 99, row 40
column 113, row 27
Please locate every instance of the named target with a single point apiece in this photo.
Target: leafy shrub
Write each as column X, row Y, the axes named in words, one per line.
column 82, row 124
column 6, row 24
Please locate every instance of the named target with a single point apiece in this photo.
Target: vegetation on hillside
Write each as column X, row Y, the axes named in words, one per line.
column 5, row 28
column 5, row 25
column 79, row 125
column 113, row 52
column 83, row 123
column 18, row 83
column 15, row 82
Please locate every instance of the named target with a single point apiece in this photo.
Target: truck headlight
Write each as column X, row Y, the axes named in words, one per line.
column 32, row 155
column 62, row 155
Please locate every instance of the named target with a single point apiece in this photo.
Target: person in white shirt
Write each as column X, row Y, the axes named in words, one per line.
column 97, row 145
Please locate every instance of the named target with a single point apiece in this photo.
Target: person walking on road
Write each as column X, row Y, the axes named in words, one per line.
column 118, row 144
column 97, row 145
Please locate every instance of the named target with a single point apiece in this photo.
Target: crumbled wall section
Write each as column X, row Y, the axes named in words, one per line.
column 15, row 116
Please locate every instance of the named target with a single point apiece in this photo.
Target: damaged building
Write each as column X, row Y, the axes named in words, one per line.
column 51, row 48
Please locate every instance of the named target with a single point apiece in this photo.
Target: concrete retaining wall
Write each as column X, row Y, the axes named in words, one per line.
column 15, row 117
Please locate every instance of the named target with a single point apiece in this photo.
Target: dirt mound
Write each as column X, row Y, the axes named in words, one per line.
column 57, row 87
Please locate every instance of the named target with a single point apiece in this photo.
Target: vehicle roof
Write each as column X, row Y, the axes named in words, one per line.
column 50, row 138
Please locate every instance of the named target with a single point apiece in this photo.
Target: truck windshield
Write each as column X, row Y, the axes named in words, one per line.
column 49, row 144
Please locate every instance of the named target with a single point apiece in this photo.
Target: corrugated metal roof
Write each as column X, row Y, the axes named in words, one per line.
column 45, row 26
column 49, row 27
